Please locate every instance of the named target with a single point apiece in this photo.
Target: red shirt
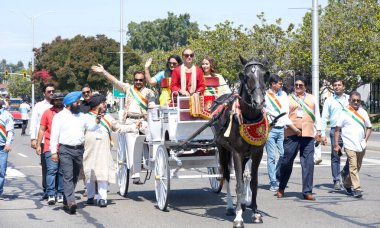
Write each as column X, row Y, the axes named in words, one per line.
column 47, row 120
column 176, row 80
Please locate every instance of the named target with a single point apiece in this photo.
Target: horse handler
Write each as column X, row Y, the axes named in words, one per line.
column 68, row 131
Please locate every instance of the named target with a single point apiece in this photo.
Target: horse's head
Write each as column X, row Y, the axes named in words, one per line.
column 253, row 81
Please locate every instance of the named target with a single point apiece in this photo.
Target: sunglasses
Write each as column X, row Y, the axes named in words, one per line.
column 189, row 55
column 86, row 92
column 173, row 63
column 299, row 85
column 50, row 91
column 138, row 80
column 356, row 101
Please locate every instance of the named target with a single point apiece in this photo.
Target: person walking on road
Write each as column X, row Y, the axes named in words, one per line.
column 24, row 110
column 276, row 102
column 355, row 129
column 54, row 173
column 98, row 162
column 303, row 129
column 67, row 131
column 6, row 139
column 331, row 112
column 38, row 110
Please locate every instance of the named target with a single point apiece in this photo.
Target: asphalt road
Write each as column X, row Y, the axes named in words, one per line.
column 191, row 202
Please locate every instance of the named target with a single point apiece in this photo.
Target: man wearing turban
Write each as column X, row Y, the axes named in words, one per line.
column 67, row 131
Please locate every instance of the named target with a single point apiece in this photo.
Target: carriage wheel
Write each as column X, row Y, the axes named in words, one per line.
column 215, row 182
column 162, row 177
column 122, row 172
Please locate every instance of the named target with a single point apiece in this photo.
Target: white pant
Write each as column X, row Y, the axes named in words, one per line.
column 102, row 190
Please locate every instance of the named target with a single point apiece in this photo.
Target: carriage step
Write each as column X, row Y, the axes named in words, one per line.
column 195, row 176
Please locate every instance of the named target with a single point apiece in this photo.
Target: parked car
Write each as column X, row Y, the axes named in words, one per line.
column 15, row 101
column 15, row 111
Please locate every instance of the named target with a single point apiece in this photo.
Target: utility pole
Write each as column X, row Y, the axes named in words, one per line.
column 121, row 100
column 315, row 52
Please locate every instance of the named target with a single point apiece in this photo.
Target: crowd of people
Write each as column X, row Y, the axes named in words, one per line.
column 72, row 133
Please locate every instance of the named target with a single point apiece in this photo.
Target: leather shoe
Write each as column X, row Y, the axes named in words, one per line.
column 72, row 208
column 308, row 197
column 102, row 203
column 280, row 193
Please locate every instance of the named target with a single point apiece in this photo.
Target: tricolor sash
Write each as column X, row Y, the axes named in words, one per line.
column 141, row 101
column 3, row 133
column 355, row 116
column 274, row 101
column 304, row 106
column 104, row 123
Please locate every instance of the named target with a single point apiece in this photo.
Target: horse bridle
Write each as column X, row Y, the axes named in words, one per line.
column 250, row 91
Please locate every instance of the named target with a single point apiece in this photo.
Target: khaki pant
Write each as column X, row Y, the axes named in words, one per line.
column 355, row 160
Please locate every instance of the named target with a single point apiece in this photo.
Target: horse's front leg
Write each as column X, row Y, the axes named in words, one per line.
column 256, row 157
column 238, row 163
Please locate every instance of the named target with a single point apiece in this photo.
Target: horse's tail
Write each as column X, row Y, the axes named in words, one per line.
column 225, row 161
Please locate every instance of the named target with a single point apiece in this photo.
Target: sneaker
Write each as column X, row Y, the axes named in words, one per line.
column 51, row 200
column 357, row 194
column 273, row 187
column 60, row 199
column 337, row 185
column 90, row 201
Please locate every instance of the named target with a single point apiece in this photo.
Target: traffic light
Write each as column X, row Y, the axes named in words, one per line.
column 6, row 73
column 24, row 75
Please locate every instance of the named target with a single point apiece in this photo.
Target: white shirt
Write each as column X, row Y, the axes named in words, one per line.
column 352, row 132
column 35, row 121
column 282, row 98
column 24, row 109
column 68, row 129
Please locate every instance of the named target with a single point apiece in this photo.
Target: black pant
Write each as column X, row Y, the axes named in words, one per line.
column 24, row 125
column 44, row 168
column 70, row 161
column 291, row 146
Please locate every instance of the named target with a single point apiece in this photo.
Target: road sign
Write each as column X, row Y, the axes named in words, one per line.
column 117, row 93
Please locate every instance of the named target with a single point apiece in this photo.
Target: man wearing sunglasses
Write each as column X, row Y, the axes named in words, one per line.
column 38, row 111
column 86, row 95
column 355, row 129
column 137, row 100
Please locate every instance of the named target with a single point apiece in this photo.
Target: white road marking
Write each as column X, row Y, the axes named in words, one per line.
column 22, row 155
column 13, row 173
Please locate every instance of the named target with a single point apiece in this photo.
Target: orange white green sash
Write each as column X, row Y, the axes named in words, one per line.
column 355, row 116
column 304, row 107
column 104, row 123
column 3, row 133
column 274, row 101
column 141, row 101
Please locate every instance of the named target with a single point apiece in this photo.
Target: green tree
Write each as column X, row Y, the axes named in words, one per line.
column 162, row 34
column 224, row 44
column 17, row 86
column 69, row 61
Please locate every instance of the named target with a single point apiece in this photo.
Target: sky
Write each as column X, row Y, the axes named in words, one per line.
column 69, row 18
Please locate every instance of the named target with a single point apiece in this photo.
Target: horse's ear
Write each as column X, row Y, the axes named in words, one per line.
column 243, row 60
column 241, row 76
column 266, row 76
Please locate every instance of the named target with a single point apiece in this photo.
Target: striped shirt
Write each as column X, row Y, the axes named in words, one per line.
column 6, row 128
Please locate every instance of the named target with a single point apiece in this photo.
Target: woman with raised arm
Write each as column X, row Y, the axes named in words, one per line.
column 163, row 77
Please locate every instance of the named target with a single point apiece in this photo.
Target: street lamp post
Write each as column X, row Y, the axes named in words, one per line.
column 121, row 100
column 33, row 19
column 315, row 52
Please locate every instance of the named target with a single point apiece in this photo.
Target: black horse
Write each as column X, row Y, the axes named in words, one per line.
column 230, row 138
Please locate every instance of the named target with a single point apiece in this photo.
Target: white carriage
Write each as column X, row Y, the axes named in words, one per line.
column 173, row 144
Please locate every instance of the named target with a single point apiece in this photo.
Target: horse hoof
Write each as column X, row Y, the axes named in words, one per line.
column 257, row 218
column 230, row 212
column 238, row 224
